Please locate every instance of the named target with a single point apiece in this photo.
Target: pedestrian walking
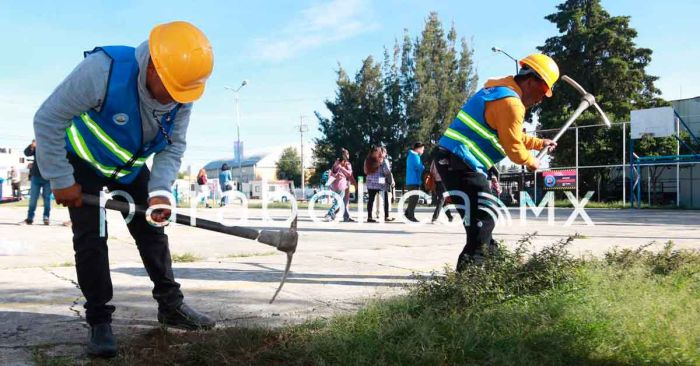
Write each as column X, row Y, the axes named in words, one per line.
column 342, row 178
column 414, row 172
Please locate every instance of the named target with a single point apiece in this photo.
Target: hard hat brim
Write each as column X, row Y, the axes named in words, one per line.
column 186, row 96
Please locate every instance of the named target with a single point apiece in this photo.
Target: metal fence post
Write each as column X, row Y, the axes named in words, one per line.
column 624, row 146
column 577, row 176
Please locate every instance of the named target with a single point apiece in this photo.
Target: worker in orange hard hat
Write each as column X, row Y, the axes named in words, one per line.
column 118, row 107
column 488, row 128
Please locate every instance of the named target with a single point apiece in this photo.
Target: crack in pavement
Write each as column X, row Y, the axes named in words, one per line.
column 74, row 306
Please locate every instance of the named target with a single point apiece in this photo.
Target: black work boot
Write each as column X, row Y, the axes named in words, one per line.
column 186, row 318
column 102, row 342
column 474, row 259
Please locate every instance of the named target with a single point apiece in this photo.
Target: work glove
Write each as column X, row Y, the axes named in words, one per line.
column 70, row 196
column 159, row 214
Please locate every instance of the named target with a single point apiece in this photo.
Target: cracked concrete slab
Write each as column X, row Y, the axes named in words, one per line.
column 338, row 268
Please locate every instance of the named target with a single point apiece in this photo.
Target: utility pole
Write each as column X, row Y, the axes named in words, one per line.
column 302, row 128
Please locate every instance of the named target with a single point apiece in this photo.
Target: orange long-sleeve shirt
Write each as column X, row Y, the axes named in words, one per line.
column 506, row 116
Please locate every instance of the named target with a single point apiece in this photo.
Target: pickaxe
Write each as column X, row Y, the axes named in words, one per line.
column 285, row 240
column 587, row 100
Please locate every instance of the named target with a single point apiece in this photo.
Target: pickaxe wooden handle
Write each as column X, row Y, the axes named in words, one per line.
column 284, row 240
column 587, row 100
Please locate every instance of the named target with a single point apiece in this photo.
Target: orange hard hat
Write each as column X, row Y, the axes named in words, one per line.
column 183, row 59
column 545, row 67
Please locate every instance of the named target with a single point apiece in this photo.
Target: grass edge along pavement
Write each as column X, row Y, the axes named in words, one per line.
column 631, row 307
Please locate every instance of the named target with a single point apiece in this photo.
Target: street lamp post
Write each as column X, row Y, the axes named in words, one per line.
column 238, row 128
column 498, row 50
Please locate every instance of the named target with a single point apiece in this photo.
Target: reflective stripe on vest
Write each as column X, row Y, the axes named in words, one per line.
column 81, row 148
column 470, row 137
column 121, row 153
column 474, row 148
column 479, row 129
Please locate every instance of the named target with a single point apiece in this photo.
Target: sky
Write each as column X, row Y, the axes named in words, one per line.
column 289, row 52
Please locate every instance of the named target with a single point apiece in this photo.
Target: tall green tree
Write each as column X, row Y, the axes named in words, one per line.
column 289, row 166
column 599, row 52
column 357, row 118
column 413, row 95
column 443, row 80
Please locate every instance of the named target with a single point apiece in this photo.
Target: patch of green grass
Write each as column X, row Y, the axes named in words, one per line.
column 615, row 205
column 185, row 258
column 245, row 255
column 633, row 307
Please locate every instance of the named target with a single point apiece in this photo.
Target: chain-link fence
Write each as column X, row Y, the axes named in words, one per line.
column 587, row 161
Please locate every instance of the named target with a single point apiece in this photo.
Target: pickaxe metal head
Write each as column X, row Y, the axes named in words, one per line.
column 587, row 100
column 284, row 240
column 588, row 97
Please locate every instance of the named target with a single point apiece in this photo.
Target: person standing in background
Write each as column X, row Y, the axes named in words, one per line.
column 388, row 186
column 226, row 182
column 414, row 171
column 15, row 180
column 202, row 187
column 38, row 184
column 375, row 179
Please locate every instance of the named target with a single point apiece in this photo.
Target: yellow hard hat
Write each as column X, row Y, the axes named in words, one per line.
column 183, row 59
column 545, row 67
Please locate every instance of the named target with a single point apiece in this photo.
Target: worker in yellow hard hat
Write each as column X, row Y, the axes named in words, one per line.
column 488, row 128
column 118, row 107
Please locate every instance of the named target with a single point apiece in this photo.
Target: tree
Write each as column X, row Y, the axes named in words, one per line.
column 358, row 116
column 289, row 166
column 443, row 82
column 412, row 96
column 598, row 51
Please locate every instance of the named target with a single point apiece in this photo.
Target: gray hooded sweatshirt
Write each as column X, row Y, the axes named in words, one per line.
column 84, row 89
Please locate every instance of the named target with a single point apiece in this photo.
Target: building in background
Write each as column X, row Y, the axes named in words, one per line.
column 13, row 157
column 689, row 111
column 259, row 166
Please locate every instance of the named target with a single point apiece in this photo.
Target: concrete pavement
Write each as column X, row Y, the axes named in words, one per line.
column 337, row 268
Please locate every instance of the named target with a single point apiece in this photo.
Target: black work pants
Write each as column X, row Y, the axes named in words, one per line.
column 91, row 255
column 440, row 201
column 457, row 176
column 410, row 212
